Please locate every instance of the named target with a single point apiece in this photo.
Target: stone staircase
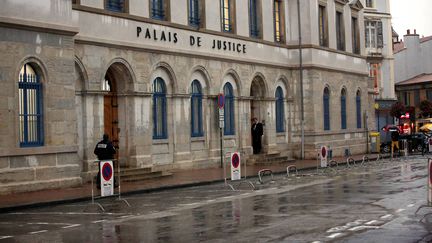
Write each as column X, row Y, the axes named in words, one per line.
column 140, row 174
column 272, row 158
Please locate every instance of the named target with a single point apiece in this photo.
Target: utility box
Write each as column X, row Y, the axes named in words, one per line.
column 374, row 142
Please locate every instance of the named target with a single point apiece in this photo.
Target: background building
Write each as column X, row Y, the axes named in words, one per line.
column 413, row 71
column 148, row 74
column 379, row 51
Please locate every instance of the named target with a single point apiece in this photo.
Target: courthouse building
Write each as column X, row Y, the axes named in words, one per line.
column 148, row 72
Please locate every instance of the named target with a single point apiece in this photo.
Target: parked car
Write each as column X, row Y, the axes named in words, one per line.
column 415, row 142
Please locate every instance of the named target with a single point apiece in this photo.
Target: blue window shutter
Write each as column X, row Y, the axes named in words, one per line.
column 343, row 112
column 196, row 110
column 253, row 18
column 229, row 110
column 158, row 11
column 159, row 109
column 194, row 16
column 115, row 5
column 358, row 111
column 326, row 104
column 280, row 127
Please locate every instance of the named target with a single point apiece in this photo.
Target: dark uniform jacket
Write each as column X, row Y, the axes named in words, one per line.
column 104, row 150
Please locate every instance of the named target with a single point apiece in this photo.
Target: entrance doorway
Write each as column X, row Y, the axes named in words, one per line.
column 111, row 120
column 257, row 105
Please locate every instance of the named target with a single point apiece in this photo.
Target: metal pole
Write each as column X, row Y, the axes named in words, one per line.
column 301, row 81
column 221, row 146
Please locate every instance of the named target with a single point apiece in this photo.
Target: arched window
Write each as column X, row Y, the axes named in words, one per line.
column 30, row 108
column 358, row 109
column 159, row 109
column 280, row 126
column 326, row 108
column 343, row 110
column 196, row 110
column 229, row 110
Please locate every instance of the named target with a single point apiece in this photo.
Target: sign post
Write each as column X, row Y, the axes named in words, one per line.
column 221, row 103
column 107, row 178
column 235, row 166
column 323, row 156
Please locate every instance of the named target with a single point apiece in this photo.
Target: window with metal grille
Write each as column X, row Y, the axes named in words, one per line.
column 30, row 108
column 358, row 109
column 157, row 9
column 194, row 13
column 326, row 108
column 115, row 5
column 229, row 110
column 340, row 31
column 343, row 110
column 253, row 19
column 322, row 24
column 278, row 21
column 280, row 126
column 196, row 109
column 159, row 109
column 226, row 16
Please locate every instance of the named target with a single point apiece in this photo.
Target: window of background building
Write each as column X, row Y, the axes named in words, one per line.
column 369, row 3
column 254, row 18
column 116, row 5
column 227, row 15
column 229, row 110
column 358, row 109
column 375, row 73
column 355, row 35
column 159, row 109
column 322, row 24
column 280, row 126
column 374, row 34
column 406, row 98
column 417, row 97
column 195, row 13
column 340, row 31
column 343, row 110
column 278, row 21
column 326, row 108
column 159, row 9
column 196, row 110
column 429, row 94
column 30, row 108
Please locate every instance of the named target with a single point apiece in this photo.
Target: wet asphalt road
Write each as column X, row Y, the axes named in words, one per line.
column 373, row 203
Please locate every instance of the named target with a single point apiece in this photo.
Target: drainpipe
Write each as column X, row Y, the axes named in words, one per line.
column 301, row 80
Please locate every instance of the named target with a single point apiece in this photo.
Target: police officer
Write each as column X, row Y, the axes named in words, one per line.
column 104, row 150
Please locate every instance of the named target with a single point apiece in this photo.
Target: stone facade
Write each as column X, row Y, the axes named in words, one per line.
column 79, row 49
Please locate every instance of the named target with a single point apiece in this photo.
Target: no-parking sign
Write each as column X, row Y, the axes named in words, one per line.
column 107, row 178
column 235, row 166
column 323, row 155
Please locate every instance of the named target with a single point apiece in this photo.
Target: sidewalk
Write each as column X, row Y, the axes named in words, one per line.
column 179, row 179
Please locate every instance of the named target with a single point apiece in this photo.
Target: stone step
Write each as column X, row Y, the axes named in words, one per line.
column 145, row 176
column 134, row 171
column 28, row 186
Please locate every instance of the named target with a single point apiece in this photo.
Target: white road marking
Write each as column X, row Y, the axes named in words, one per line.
column 400, row 210
column 334, row 235
column 372, row 222
column 316, row 241
column 361, row 227
column 337, row 228
column 410, row 205
column 5, row 237
column 386, row 216
column 98, row 221
column 71, row 226
column 37, row 232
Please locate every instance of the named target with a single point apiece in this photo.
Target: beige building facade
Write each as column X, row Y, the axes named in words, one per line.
column 148, row 73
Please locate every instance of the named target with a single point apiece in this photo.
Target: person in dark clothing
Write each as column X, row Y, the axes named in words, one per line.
column 257, row 132
column 395, row 140
column 104, row 150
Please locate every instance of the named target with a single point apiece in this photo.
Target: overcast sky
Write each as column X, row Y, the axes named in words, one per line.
column 412, row 14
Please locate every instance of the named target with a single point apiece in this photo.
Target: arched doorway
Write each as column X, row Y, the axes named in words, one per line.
column 111, row 119
column 115, row 82
column 258, row 106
